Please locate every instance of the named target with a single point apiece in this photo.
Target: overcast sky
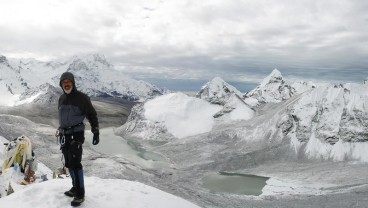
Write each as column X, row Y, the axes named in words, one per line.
column 238, row 40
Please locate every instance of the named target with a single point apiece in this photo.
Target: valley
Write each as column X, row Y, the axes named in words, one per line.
column 293, row 182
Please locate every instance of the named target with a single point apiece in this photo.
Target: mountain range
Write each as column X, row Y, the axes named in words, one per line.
column 22, row 79
column 325, row 121
column 310, row 139
column 320, row 120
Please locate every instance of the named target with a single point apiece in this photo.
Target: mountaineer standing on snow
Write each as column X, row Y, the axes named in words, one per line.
column 73, row 107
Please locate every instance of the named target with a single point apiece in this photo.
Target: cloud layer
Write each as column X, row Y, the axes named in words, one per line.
column 239, row 40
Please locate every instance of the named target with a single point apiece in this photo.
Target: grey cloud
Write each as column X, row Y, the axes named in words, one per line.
column 198, row 40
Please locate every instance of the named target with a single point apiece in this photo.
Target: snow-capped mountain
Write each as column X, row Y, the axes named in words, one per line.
column 174, row 115
column 177, row 115
column 10, row 78
column 96, row 77
column 273, row 88
column 331, row 121
column 93, row 73
column 217, row 91
column 44, row 94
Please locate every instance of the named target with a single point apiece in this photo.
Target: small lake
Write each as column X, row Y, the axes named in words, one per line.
column 235, row 183
column 111, row 144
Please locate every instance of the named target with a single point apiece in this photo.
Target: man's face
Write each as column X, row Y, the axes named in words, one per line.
column 67, row 85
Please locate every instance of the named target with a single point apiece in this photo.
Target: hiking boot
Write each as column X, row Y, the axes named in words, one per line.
column 77, row 201
column 71, row 193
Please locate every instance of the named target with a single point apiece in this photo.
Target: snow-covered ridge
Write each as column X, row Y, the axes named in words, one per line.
column 332, row 121
column 94, row 76
column 275, row 89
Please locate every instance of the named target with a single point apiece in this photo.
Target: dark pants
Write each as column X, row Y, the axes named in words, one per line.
column 72, row 150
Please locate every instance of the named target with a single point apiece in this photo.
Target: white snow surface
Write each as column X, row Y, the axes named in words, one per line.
column 237, row 108
column 99, row 192
column 182, row 115
column 240, row 111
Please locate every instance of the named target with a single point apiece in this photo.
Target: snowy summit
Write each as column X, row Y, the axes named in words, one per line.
column 273, row 88
column 217, row 91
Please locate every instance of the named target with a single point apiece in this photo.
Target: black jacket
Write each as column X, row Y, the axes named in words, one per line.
column 74, row 108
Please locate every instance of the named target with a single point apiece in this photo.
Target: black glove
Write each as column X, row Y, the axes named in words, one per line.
column 96, row 138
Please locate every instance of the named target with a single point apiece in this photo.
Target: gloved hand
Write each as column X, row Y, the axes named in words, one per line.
column 96, row 138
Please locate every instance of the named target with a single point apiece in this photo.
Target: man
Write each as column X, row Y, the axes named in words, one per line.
column 74, row 106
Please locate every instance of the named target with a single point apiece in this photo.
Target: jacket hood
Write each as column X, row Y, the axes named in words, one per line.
column 69, row 76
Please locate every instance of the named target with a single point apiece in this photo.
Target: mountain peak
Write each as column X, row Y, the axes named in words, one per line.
column 88, row 62
column 217, row 91
column 4, row 60
column 95, row 57
column 275, row 76
column 272, row 89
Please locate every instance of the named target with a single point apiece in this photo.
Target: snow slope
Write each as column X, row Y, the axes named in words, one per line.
column 182, row 115
column 174, row 115
column 99, row 192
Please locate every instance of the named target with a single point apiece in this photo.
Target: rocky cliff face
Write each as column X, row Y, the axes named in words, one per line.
column 329, row 122
column 332, row 113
